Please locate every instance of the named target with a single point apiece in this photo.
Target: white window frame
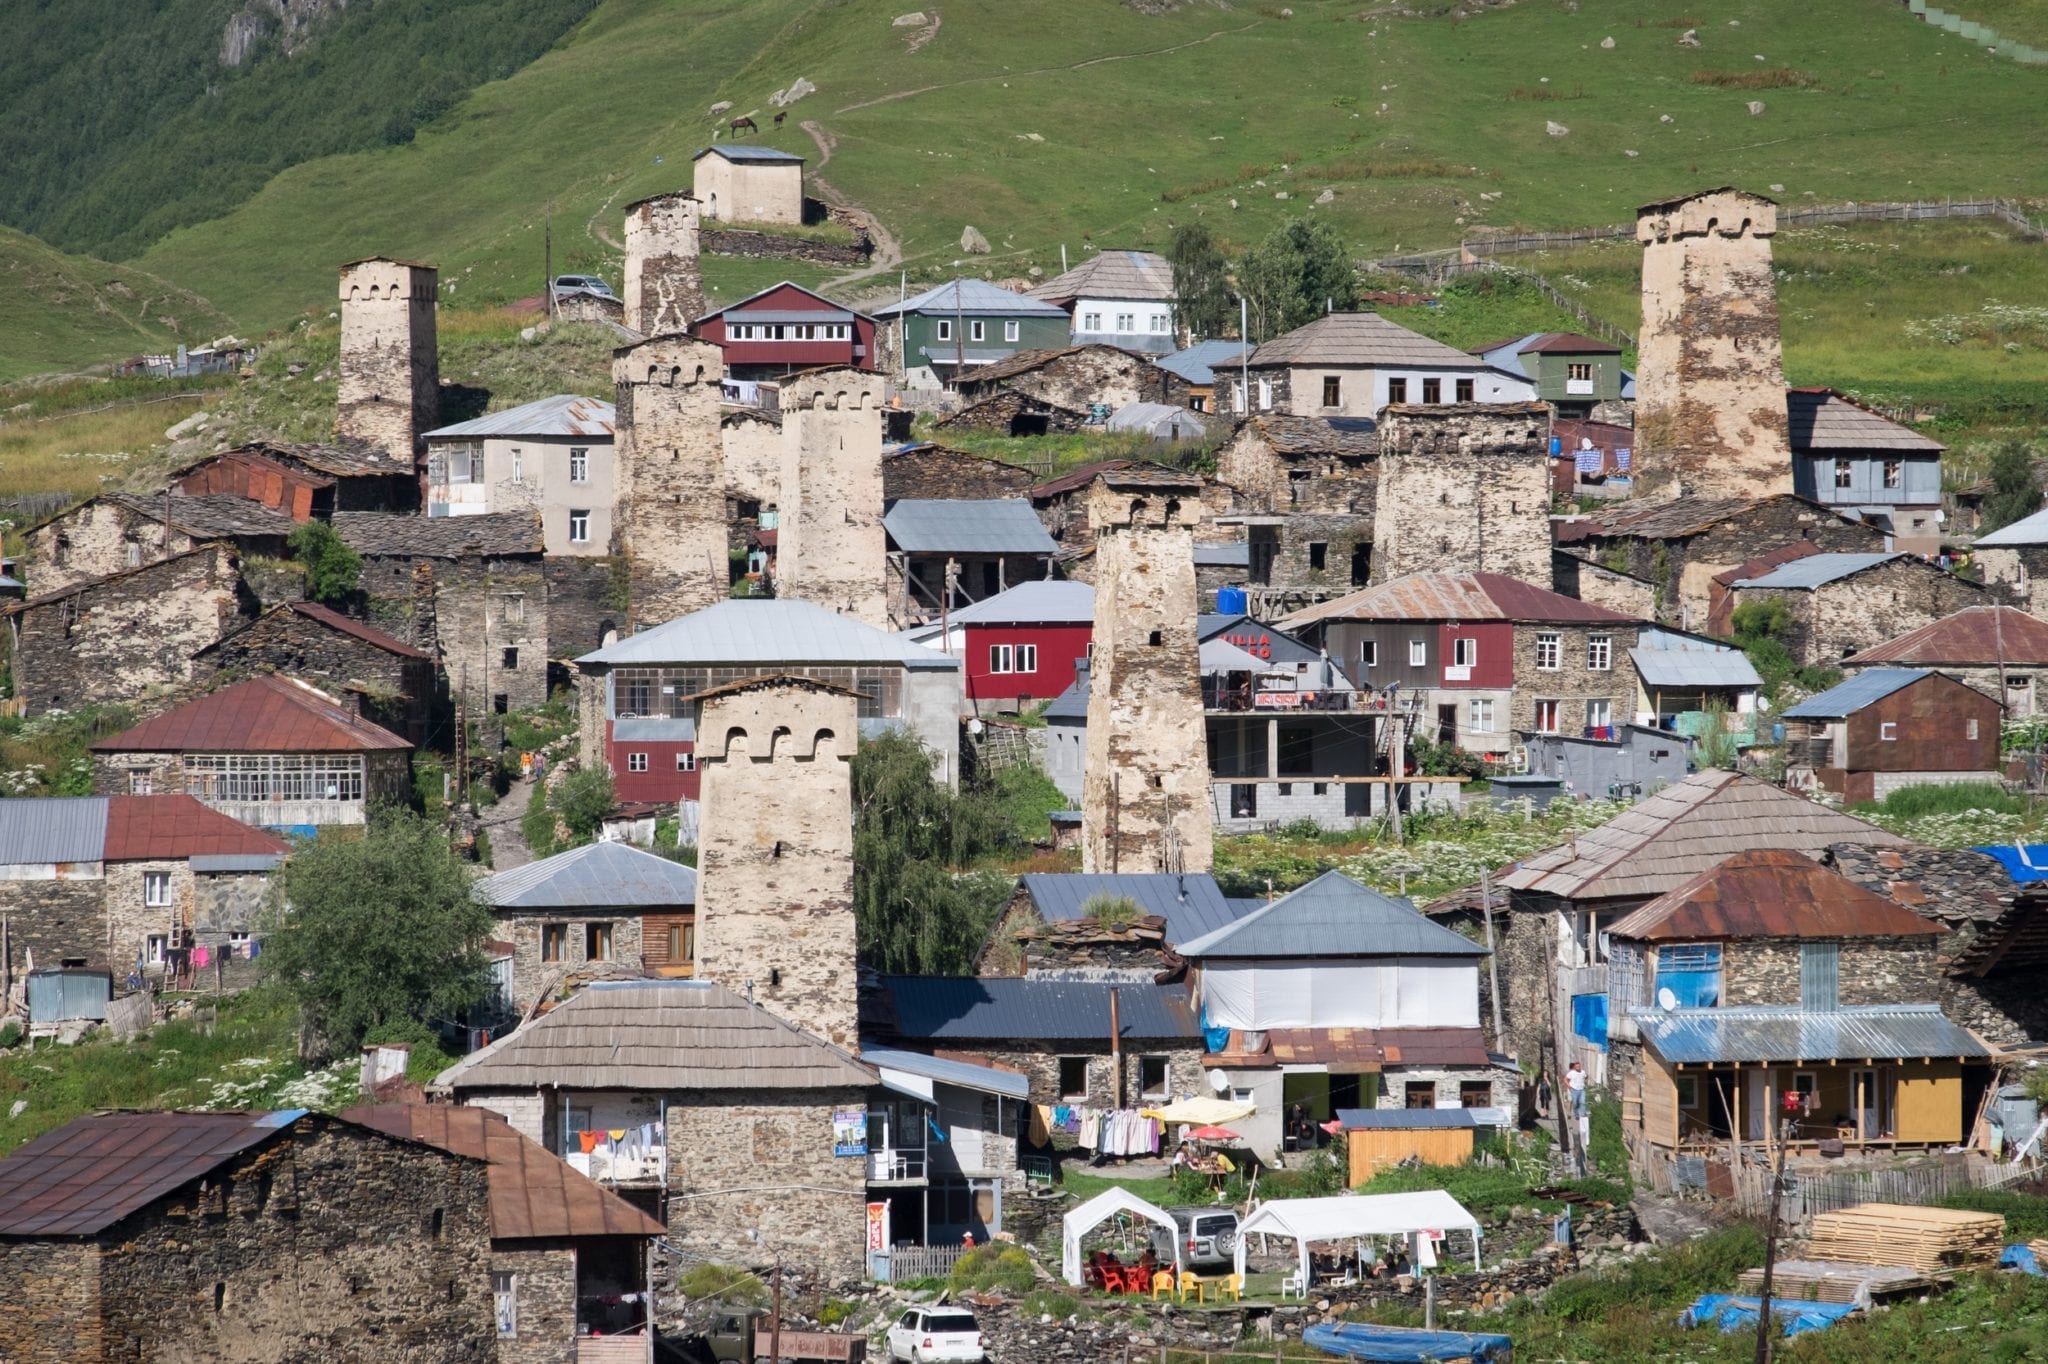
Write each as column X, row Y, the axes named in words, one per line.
column 943, row 330
column 1845, row 473
column 1010, row 330
column 142, row 782
column 1418, row 653
column 1237, row 398
column 1479, row 715
column 1888, row 731
column 155, row 948
column 505, row 1303
column 636, row 762
column 1001, row 658
column 1895, row 473
column 1599, row 712
column 156, row 890
column 1599, row 653
column 579, row 464
column 1160, row 322
column 1464, row 653
column 1126, row 323
column 1368, row 653
column 518, row 465
column 686, row 762
column 1971, row 729
column 579, row 526
column 1265, row 395
column 1552, row 710
column 1549, row 651
column 1091, row 322
column 1027, row 658
column 977, row 330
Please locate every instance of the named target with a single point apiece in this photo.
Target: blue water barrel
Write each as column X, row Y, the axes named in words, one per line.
column 1230, row 601
column 1778, row 732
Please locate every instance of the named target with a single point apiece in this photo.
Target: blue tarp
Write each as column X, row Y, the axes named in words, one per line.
column 1589, row 1018
column 2022, row 1259
column 1213, row 1038
column 1405, row 1345
column 2023, row 864
column 1730, row 1313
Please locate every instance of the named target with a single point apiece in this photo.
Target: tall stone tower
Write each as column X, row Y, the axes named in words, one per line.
column 1710, row 374
column 664, row 291
column 831, row 548
column 390, row 370
column 775, row 849
column 1464, row 488
column 1145, row 802
column 668, row 514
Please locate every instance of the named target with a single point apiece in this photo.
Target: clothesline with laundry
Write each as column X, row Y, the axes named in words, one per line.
column 1105, row 1131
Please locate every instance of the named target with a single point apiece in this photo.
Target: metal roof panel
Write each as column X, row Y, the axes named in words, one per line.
column 972, row 298
column 565, row 414
column 1694, row 668
column 597, row 875
column 53, row 829
column 1818, row 570
column 1757, row 1035
column 1192, row 903
column 995, row 525
column 1865, row 688
column 1333, row 916
column 944, row 1008
column 962, row 1074
column 765, row 631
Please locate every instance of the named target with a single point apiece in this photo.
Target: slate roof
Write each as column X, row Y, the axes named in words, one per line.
column 658, row 1035
column 564, row 414
column 93, row 1171
column 1333, row 916
column 1361, row 339
column 1973, row 636
column 220, row 551
column 1071, row 704
column 1681, row 831
column 1345, row 437
column 1041, row 601
column 343, row 458
column 1822, row 420
column 1197, row 364
column 210, row 517
column 1460, row 597
column 266, row 714
column 349, row 625
column 740, row 151
column 1025, row 361
column 996, row 525
column 1770, row 893
column 597, row 875
column 1141, row 275
column 766, row 631
column 972, row 298
column 950, row 1008
column 1671, row 519
column 441, row 537
column 2028, row 530
column 1949, row 884
column 534, row 1193
column 1192, row 904
column 1817, row 570
column 1865, row 688
column 1756, row 1035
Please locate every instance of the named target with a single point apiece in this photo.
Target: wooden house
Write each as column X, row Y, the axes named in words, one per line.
column 1887, row 728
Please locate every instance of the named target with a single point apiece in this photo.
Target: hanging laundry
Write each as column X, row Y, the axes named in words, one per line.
column 201, row 956
column 588, row 1141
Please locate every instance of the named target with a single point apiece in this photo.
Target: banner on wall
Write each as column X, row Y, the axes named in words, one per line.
column 878, row 1226
column 849, row 1131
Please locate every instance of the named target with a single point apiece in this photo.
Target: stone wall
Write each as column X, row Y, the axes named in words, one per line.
column 670, row 516
column 1040, row 1061
column 1525, row 942
column 1872, row 971
column 1852, row 614
column 388, row 689
column 1574, row 682
column 129, row 920
column 389, row 392
column 586, row 603
column 1464, row 488
column 832, row 549
column 92, row 540
column 53, row 1315
column 532, row 976
column 1710, row 376
column 752, row 446
column 52, row 920
column 725, row 241
column 1590, row 582
column 1322, row 554
column 544, row 1289
column 664, row 291
column 491, row 622
column 928, row 472
column 752, row 1180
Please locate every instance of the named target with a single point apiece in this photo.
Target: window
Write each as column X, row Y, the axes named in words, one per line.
column 518, row 464
column 945, row 331
column 1464, row 652
column 1692, row 973
column 1361, row 563
column 142, row 783
column 1073, row 1077
column 1152, row 1077
column 253, row 777
column 501, row 703
column 999, row 659
column 1368, row 653
column 1465, row 391
column 682, row 942
column 1578, row 369
column 1972, row 728
column 1845, row 473
column 1397, row 390
column 509, row 658
column 1599, row 713
column 1549, row 652
column 1895, row 473
column 597, row 942
column 1027, row 658
column 1820, row 975
column 554, row 941
column 1688, row 1091
column 1265, row 395
column 977, row 330
column 1237, row 397
column 1126, row 322
column 1475, row 1094
column 686, row 762
column 465, row 464
column 1419, row 1094
column 134, row 554
column 1432, row 390
column 505, row 1302
column 1546, row 717
column 1418, row 653
column 1318, row 555
column 1479, row 715
column 154, row 948
column 579, row 464
column 1010, row 331
column 156, row 889
column 1333, row 391
column 512, row 607
column 1888, row 730
column 1160, row 323
column 636, row 762
column 1599, row 652
column 579, row 527
column 1091, row 322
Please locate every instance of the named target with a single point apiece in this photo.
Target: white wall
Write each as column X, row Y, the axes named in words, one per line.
column 1149, row 317
column 1406, row 992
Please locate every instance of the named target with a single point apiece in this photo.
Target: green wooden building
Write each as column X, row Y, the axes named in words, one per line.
column 965, row 323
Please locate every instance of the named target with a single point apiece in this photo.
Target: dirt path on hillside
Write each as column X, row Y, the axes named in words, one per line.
column 888, row 253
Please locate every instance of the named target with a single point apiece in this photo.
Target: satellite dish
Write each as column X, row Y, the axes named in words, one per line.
column 1219, row 1082
column 1666, row 1000
column 1763, row 703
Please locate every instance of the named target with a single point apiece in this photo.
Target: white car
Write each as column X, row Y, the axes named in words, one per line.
column 937, row 1335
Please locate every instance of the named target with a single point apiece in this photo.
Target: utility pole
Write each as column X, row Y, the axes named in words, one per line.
column 775, row 1323
column 1763, row 1305
column 1492, row 957
column 959, row 337
column 548, row 259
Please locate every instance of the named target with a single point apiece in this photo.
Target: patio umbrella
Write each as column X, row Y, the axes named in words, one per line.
column 1213, row 1134
column 1333, row 1127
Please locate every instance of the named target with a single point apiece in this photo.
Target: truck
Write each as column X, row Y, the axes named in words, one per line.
column 738, row 1337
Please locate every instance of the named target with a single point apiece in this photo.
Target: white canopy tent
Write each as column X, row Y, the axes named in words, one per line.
column 1100, row 1209
column 1350, row 1217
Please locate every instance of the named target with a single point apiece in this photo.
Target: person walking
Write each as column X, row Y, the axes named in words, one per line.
column 1575, row 1089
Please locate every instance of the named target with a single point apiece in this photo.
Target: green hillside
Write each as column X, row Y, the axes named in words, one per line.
column 58, row 311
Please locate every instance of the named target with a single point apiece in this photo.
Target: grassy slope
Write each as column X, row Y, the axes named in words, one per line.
column 59, row 310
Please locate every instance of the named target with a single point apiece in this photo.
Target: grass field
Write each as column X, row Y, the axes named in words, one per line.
column 58, row 311
column 2023, row 21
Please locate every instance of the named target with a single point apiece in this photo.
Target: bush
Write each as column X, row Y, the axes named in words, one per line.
column 2026, row 1215
column 10, row 1032
column 428, row 1059
column 1608, row 1154
column 333, row 570
column 581, row 800
column 727, row 1283
column 1004, row 1267
column 1707, row 1265
column 1113, row 912
column 537, row 825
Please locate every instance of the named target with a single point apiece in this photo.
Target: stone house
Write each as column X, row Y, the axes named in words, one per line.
column 127, row 635
column 272, row 751
column 1465, row 486
column 391, row 683
column 729, row 1114
column 1053, row 927
column 1337, row 996
column 553, row 455
column 1117, row 298
column 471, row 590
column 1573, row 373
column 953, row 552
column 954, row 328
column 1887, row 728
column 116, row 881
column 602, row 911
column 307, row 481
column 115, row 532
column 1846, row 456
column 2014, row 559
column 1679, row 545
column 1037, row 391
column 1769, row 983
column 569, row 1259
column 243, row 1237
column 942, row 1145
column 1354, row 364
column 1841, row 604
column 1305, row 489
column 737, row 183
column 1193, row 379
column 1020, row 646
column 2000, row 650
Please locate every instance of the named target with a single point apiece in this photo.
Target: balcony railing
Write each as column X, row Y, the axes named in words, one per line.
column 892, row 1165
column 629, row 1162
column 1246, row 700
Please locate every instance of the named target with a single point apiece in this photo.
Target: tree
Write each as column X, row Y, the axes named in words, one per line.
column 581, row 800
column 1300, row 271
column 333, row 570
column 374, row 931
column 1201, row 282
column 2015, row 486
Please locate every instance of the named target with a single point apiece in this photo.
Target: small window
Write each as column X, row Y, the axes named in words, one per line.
column 1073, row 1077
column 999, row 658
column 1152, row 1077
column 1010, row 332
column 579, row 464
column 1479, row 715
column 1600, row 652
column 1465, row 391
column 512, row 607
column 134, row 554
column 1418, row 653
column 597, row 942
column 1432, row 390
column 1688, row 1091
column 501, row 704
column 1475, row 1094
column 636, row 762
column 154, row 948
column 1971, row 727
column 505, row 1303
column 142, row 783
column 1126, row 323
column 1888, row 730
column 977, row 330
column 1156, row 638
column 1546, row 717
column 1895, row 473
column 1578, row 369
column 1549, row 652
column 1599, row 713
column 1333, row 391
column 156, row 889
column 1419, row 1094
column 1027, row 658
column 1318, row 555
column 1090, row 322
column 1368, row 653
column 1237, row 397
column 682, row 942
column 1845, row 473
column 1397, row 390
column 579, row 527
column 1265, row 395
column 554, row 941
column 944, row 331
column 518, row 464
column 510, row 658
column 686, row 762
column 1464, row 652
column 1160, row 322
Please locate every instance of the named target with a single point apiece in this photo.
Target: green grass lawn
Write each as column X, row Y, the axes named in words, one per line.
column 59, row 311
column 2023, row 21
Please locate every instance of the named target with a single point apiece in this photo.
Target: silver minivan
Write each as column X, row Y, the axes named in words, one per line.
column 1208, row 1239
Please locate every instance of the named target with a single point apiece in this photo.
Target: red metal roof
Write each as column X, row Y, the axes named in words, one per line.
column 335, row 620
column 1770, row 893
column 1569, row 343
column 1459, row 597
column 1976, row 635
column 262, row 715
column 153, row 828
column 91, row 1173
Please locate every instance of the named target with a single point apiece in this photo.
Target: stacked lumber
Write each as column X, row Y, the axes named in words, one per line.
column 1926, row 1239
column 1832, row 1281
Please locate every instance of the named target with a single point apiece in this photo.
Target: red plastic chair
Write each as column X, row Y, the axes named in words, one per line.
column 1112, row 1278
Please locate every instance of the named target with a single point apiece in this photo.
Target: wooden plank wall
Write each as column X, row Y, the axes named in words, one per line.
column 1372, row 1151
column 1660, row 1102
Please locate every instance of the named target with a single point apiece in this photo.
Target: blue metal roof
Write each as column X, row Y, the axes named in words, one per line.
column 1013, row 1008
column 1817, row 570
column 1071, row 704
column 1404, row 1119
column 1700, row 667
column 598, row 875
column 2028, row 530
column 1007, row 1083
column 1333, row 916
column 972, row 298
column 1197, row 364
column 654, row 729
column 53, row 829
column 1864, row 689
column 993, row 525
column 738, row 152
column 1041, row 601
column 1761, row 1034
column 1192, row 904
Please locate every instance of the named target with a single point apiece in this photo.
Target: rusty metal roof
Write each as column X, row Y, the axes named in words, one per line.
column 266, row 714
column 534, row 1193
column 1076, row 479
column 1974, row 636
column 1460, row 597
column 1771, row 893
column 150, row 828
column 1355, row 1049
column 1567, row 343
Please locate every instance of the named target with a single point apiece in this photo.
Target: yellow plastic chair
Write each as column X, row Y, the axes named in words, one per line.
column 1195, row 1282
column 1162, row 1282
column 1230, row 1286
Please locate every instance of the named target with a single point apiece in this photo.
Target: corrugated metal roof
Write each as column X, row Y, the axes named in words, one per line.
column 266, row 714
column 1757, row 1035
column 993, row 525
column 658, row 1035
column 1817, row 570
column 1460, row 597
column 1042, row 601
column 1142, row 275
column 2028, row 530
column 654, row 729
column 236, row 862
column 1361, row 1049
column 1235, row 554
column 1197, row 364
column 1361, row 339
column 1701, row 667
column 53, row 829
column 987, row 1080
column 1404, row 1119
column 150, row 828
column 1864, row 689
column 1071, row 704
column 766, row 632
column 972, row 298
column 564, row 414
column 597, row 875
column 1770, row 893
column 944, row 1008
column 834, row 314
column 1192, row 904
column 738, row 151
column 1333, row 916
column 1820, row 420
column 1974, row 636
column 1278, row 645
column 1221, row 656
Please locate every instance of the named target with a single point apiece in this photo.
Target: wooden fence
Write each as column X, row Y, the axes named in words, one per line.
column 923, row 1262
column 1807, row 1194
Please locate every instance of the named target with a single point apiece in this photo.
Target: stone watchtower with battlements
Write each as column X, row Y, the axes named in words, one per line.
column 664, row 290
column 389, row 392
column 668, row 517
column 832, row 549
column 1710, row 373
column 1145, row 802
column 1464, row 488
column 775, row 915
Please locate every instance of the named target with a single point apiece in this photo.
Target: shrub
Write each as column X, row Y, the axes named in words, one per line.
column 1004, row 1267
column 10, row 1032
column 581, row 800
column 1706, row 1265
column 727, row 1283
column 1113, row 912
column 333, row 570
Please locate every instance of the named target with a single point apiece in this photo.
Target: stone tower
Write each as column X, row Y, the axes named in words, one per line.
column 389, row 392
column 668, row 516
column 1710, row 376
column 664, row 291
column 1464, row 488
column 832, row 549
column 1145, row 802
column 775, row 849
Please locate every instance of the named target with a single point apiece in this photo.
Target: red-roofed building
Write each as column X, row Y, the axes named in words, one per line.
column 787, row 328
column 2000, row 650
column 270, row 751
column 390, row 683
